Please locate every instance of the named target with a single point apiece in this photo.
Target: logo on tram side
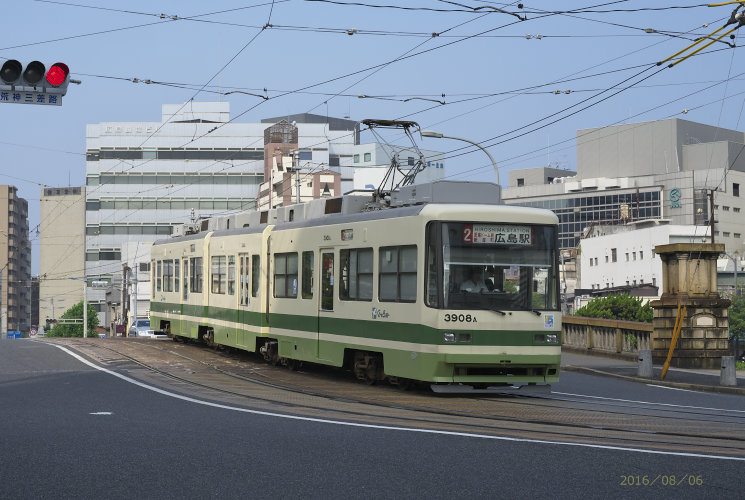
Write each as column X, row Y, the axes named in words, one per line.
column 379, row 313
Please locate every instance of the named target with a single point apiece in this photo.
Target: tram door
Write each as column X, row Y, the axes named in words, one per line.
column 326, row 296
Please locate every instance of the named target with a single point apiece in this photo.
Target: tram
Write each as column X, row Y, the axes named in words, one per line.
column 382, row 292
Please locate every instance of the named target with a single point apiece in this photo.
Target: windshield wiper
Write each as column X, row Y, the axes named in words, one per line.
column 498, row 311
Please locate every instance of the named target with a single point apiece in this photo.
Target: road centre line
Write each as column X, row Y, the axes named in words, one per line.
column 384, row 427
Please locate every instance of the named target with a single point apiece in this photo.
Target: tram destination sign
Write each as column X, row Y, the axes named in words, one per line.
column 490, row 234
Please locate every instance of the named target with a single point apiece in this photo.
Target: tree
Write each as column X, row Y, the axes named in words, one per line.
column 622, row 307
column 75, row 312
column 737, row 317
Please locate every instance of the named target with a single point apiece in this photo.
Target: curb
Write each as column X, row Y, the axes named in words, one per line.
column 677, row 385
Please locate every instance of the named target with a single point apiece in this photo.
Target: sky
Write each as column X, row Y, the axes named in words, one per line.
column 520, row 79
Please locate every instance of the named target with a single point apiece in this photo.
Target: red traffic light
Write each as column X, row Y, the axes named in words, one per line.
column 57, row 74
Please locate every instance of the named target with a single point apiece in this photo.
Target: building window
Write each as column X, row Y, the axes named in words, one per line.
column 356, row 158
column 634, row 255
column 725, row 234
column 397, row 280
column 596, row 261
column 627, row 256
column 735, row 189
column 736, row 210
column 725, row 208
column 285, row 275
column 634, row 282
column 737, row 235
column 520, row 182
column 627, row 282
column 410, row 161
column 654, row 281
column 368, row 156
column 613, row 254
column 641, row 254
column 590, row 262
column 356, row 274
column 606, row 259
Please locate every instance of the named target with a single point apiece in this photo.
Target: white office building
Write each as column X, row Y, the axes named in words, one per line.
column 143, row 178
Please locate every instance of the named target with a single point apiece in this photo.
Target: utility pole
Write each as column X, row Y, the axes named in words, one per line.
column 711, row 214
column 125, row 268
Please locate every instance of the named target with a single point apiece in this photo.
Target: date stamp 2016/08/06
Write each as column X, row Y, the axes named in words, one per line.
column 661, row 480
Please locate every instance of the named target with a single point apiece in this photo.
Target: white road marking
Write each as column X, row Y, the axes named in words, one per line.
column 101, row 413
column 669, row 388
column 387, row 427
column 648, row 402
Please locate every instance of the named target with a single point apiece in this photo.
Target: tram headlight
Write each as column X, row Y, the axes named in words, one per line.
column 448, row 338
column 552, row 338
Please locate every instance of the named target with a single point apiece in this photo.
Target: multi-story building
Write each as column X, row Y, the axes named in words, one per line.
column 15, row 262
column 143, row 178
column 61, row 250
column 653, row 170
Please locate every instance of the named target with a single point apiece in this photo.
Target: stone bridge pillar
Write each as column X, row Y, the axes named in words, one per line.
column 689, row 277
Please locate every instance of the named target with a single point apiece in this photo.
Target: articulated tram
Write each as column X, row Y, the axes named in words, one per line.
column 382, row 292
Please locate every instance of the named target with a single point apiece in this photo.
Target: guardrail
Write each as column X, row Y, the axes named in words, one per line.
column 606, row 335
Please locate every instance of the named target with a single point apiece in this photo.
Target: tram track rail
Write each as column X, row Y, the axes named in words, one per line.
column 514, row 415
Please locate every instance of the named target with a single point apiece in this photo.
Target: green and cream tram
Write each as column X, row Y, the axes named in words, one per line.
column 382, row 292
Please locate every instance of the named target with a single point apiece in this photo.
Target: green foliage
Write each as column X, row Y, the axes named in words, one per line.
column 76, row 312
column 737, row 316
column 621, row 307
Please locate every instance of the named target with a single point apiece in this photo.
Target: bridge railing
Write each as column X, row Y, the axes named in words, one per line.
column 606, row 335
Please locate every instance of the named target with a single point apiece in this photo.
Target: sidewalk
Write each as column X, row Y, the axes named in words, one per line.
column 699, row 380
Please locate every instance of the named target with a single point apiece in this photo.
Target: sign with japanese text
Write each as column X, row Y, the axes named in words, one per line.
column 42, row 98
column 488, row 233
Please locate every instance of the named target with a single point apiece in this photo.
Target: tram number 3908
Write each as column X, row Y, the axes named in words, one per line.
column 462, row 318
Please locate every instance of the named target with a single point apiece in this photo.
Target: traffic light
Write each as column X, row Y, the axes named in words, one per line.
column 34, row 84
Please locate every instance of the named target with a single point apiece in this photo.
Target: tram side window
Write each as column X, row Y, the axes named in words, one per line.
column 397, row 279
column 218, row 274
column 167, row 275
column 152, row 278
column 285, row 275
column 176, row 276
column 185, row 294
column 231, row 275
column 195, row 277
column 307, row 292
column 243, row 285
column 356, row 274
column 255, row 274
column 158, row 279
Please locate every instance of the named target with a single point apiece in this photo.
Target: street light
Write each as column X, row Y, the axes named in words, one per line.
column 735, row 260
column 51, row 301
column 439, row 135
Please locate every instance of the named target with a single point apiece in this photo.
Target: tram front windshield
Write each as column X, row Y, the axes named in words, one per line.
column 502, row 267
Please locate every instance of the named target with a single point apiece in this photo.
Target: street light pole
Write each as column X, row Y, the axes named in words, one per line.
column 439, row 135
column 85, row 309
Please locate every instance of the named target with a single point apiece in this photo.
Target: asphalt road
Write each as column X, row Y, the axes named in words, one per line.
column 71, row 431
